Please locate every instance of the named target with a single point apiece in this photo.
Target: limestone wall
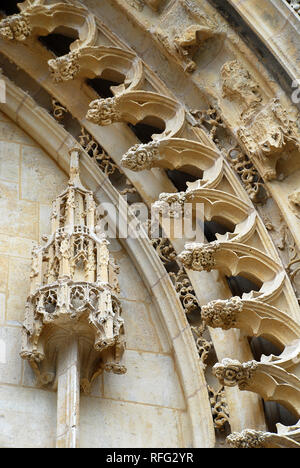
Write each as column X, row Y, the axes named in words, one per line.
column 143, row 408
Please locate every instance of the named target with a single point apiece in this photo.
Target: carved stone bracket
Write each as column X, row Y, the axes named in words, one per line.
column 250, row 438
column 135, row 106
column 91, row 62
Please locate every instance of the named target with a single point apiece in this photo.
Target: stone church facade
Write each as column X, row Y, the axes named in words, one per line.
column 111, row 107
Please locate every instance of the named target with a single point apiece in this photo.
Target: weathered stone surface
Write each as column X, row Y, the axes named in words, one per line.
column 18, row 217
column 18, row 287
column 107, row 423
column 28, row 418
column 141, row 334
column 41, row 179
column 10, row 369
column 159, row 385
column 9, row 161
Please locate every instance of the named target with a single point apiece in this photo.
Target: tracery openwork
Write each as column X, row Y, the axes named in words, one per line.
column 74, row 289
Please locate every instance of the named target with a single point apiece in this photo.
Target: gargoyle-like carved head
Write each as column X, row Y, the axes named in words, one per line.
column 141, row 157
column 199, row 257
column 104, row 111
column 222, row 314
column 64, row 68
column 15, row 27
column 231, row 372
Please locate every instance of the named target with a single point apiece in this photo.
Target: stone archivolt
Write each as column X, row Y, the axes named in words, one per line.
column 233, row 254
column 74, row 291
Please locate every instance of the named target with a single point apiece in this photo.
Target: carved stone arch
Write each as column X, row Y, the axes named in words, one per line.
column 136, row 106
column 91, row 62
column 143, row 255
column 255, row 317
column 216, row 204
column 176, row 153
column 41, row 20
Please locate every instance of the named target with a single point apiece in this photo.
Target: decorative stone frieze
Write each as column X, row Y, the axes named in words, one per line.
column 74, row 291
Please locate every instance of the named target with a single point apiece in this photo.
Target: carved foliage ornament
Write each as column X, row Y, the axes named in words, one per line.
column 16, row 27
column 222, row 313
column 104, row 111
column 231, row 372
column 65, row 68
column 199, row 257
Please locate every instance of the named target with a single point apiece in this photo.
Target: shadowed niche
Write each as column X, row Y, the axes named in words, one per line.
column 9, row 7
column 148, row 127
column 103, row 84
column 240, row 285
column 213, row 227
column 59, row 40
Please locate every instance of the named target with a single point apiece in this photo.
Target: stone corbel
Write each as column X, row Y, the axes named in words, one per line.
column 232, row 258
column 254, row 317
column 270, row 381
column 135, row 106
column 91, row 62
column 175, row 153
column 217, row 203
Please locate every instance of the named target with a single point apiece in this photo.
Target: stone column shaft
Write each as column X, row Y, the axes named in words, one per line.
column 68, row 395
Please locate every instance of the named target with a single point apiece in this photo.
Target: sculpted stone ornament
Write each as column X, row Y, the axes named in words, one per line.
column 199, row 257
column 222, row 313
column 270, row 132
column 16, row 27
column 104, row 111
column 231, row 372
column 73, row 292
column 141, row 157
column 239, row 85
column 249, row 438
column 65, row 68
column 170, row 204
